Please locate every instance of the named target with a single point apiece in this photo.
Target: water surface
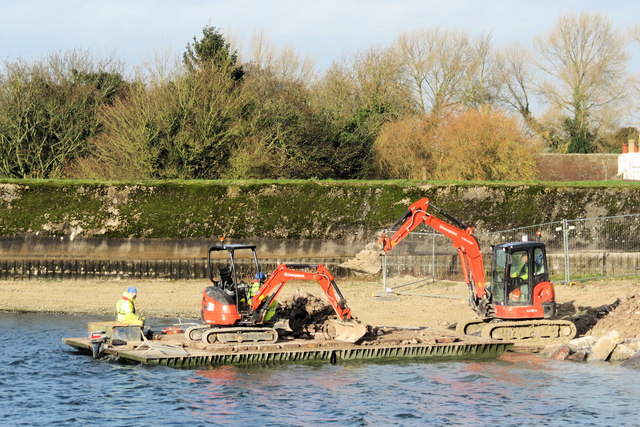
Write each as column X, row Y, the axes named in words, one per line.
column 45, row 382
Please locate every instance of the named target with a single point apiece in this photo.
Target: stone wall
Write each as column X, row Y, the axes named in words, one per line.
column 577, row 167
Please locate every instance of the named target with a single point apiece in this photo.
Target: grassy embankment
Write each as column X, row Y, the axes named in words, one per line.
column 289, row 209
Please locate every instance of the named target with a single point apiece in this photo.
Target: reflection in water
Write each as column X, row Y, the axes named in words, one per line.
column 44, row 382
column 214, row 384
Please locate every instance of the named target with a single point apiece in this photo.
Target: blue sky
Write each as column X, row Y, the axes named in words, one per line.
column 323, row 30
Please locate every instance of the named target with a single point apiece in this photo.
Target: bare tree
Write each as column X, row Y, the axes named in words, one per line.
column 376, row 74
column 635, row 38
column 370, row 78
column 434, row 62
column 479, row 83
column 285, row 64
column 584, row 61
column 515, row 77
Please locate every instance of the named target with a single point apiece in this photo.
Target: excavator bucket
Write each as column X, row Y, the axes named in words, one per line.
column 346, row 330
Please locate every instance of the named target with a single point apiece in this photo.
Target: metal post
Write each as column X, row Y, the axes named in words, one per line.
column 384, row 273
column 565, row 244
column 433, row 256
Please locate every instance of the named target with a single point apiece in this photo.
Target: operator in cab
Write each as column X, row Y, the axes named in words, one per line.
column 256, row 283
column 520, row 272
column 126, row 308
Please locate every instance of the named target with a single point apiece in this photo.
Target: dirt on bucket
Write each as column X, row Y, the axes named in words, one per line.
column 366, row 261
column 309, row 316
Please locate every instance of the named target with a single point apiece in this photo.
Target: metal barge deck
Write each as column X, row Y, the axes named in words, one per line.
column 393, row 344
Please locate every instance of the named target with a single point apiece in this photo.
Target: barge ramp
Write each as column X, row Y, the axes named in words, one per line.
column 389, row 344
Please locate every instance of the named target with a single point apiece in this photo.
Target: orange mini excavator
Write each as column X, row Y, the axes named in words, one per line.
column 518, row 304
column 231, row 314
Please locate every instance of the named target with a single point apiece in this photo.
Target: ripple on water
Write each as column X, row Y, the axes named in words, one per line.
column 42, row 382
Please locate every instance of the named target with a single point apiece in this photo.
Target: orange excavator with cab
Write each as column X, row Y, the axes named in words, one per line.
column 519, row 302
column 232, row 313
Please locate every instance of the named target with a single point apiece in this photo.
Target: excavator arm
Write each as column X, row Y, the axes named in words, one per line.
column 461, row 236
column 344, row 329
column 283, row 273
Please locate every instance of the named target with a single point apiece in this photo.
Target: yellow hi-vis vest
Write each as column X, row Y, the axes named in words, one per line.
column 126, row 310
column 271, row 310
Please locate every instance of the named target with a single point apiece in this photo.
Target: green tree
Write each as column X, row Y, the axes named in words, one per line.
column 579, row 137
column 357, row 97
column 212, row 51
column 352, row 146
column 49, row 113
column 285, row 137
column 184, row 128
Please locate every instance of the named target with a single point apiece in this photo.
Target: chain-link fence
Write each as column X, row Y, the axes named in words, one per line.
column 577, row 250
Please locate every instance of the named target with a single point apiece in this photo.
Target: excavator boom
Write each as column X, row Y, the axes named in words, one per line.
column 461, row 236
column 344, row 329
column 285, row 272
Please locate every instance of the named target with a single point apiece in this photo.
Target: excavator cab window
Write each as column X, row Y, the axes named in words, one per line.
column 225, row 277
column 540, row 263
column 518, row 282
column 517, row 268
column 497, row 274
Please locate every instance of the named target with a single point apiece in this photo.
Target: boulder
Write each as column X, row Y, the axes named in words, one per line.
column 580, row 356
column 632, row 343
column 582, row 344
column 550, row 350
column 633, row 361
column 602, row 349
column 561, row 354
column 621, row 352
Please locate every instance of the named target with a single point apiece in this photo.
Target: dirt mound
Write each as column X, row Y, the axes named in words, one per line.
column 585, row 318
column 366, row 261
column 623, row 315
column 307, row 314
column 624, row 318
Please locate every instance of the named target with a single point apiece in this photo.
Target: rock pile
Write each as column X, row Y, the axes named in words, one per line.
column 611, row 333
column 307, row 315
column 611, row 347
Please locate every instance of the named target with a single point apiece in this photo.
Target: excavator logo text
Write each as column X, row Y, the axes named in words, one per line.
column 442, row 227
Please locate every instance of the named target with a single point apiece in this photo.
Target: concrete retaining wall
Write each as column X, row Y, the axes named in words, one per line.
column 18, row 247
column 447, row 267
column 128, row 228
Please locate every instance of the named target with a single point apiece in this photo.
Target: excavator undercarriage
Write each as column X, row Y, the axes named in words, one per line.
column 523, row 331
column 211, row 334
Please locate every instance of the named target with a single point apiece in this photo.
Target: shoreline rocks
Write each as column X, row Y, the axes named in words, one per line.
column 610, row 348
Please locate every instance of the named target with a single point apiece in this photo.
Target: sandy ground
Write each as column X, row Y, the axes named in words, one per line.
column 435, row 305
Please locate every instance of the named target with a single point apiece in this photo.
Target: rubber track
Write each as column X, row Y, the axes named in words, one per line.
column 210, row 334
column 543, row 331
column 240, row 335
